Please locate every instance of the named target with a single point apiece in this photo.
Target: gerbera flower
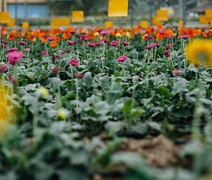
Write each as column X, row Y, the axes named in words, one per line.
column 199, row 52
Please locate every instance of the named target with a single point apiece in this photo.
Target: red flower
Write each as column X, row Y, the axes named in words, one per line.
column 56, row 69
column 78, row 75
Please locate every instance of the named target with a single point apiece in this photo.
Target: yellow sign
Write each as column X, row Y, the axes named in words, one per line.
column 11, row 23
column 25, row 25
column 65, row 22
column 53, row 26
column 77, row 16
column 56, row 21
column 144, row 24
column 162, row 15
column 118, row 8
column 203, row 20
column 108, row 24
column 155, row 21
column 4, row 17
column 180, row 23
column 208, row 14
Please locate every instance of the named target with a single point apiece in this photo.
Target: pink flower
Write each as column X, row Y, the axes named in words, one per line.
column 154, row 44
column 12, row 49
column 72, row 32
column 58, row 56
column 70, row 42
column 16, row 42
column 98, row 44
column 176, row 72
column 82, row 37
column 148, row 47
column 125, row 43
column 83, row 33
column 68, row 50
column 161, row 31
column 91, row 44
column 45, row 36
column 148, row 38
column 3, row 68
column 56, row 69
column 12, row 78
column 104, row 32
column 73, row 62
column 184, row 36
column 27, row 50
column 166, row 52
column 26, row 40
column 122, row 58
column 14, row 57
column 76, row 41
column 61, row 51
column 2, row 45
column 104, row 40
column 78, row 75
column 50, row 38
column 169, row 46
column 114, row 43
column 44, row 52
column 23, row 43
column 5, row 42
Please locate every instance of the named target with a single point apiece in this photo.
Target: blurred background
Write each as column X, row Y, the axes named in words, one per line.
column 41, row 12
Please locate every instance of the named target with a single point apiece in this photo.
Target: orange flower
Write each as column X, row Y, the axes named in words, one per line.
column 3, row 28
column 53, row 36
column 197, row 32
column 159, row 26
column 70, row 29
column 110, row 28
column 11, row 36
column 95, row 42
column 54, row 31
column 57, row 39
column 139, row 27
column 43, row 40
column 96, row 29
column 157, row 34
column 210, row 33
column 58, row 31
column 149, row 30
column 190, row 32
column 53, row 44
column 82, row 42
column 89, row 36
column 66, row 36
column 31, row 37
column 40, row 35
column 35, row 33
column 204, row 34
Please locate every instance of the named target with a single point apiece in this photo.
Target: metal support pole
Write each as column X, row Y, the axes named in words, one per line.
column 16, row 12
column 184, row 13
column 132, row 3
column 151, row 4
column 25, row 10
column 2, row 6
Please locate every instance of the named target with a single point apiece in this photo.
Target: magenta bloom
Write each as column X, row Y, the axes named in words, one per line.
column 83, row 37
column 72, row 32
column 76, row 41
column 3, row 68
column 104, row 40
column 78, row 75
column 56, row 69
column 70, row 42
column 2, row 45
column 90, row 44
column 114, row 43
column 122, row 58
column 27, row 50
column 22, row 42
column 154, row 44
column 14, row 57
column 148, row 38
column 58, row 56
column 161, row 31
column 148, row 47
column 184, row 36
column 125, row 43
column 44, row 52
column 104, row 32
column 176, row 72
column 12, row 49
column 50, row 38
column 16, row 42
column 83, row 33
column 166, row 52
column 5, row 42
column 68, row 50
column 73, row 62
column 26, row 40
column 45, row 36
column 98, row 44
column 61, row 51
column 12, row 78
column 169, row 46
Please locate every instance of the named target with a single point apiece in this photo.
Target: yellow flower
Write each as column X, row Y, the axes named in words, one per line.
column 128, row 35
column 96, row 34
column 118, row 35
column 199, row 52
column 34, row 40
column 44, row 92
column 62, row 114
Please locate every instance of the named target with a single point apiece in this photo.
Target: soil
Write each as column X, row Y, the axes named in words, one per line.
column 159, row 151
